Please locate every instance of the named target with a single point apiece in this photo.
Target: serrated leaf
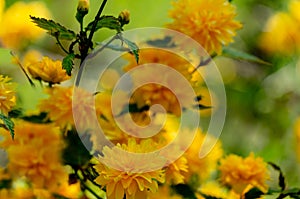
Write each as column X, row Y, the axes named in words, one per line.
column 68, row 63
column 8, row 124
column 239, row 55
column 53, row 28
column 253, row 193
column 134, row 49
column 281, row 179
column 110, row 22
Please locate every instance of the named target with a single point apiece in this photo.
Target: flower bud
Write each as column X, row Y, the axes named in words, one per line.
column 83, row 6
column 124, row 17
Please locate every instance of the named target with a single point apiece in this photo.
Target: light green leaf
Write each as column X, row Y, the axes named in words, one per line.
column 67, row 63
column 8, row 124
column 134, row 49
column 110, row 22
column 236, row 54
column 54, row 29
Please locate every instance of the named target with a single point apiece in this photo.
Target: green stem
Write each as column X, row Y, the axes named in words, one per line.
column 86, row 186
column 97, row 18
column 61, row 46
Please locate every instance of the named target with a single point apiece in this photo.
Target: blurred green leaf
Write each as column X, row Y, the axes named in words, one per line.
column 5, row 184
column 54, row 29
column 67, row 63
column 185, row 191
column 40, row 118
column 253, row 193
column 75, row 154
column 110, row 22
column 8, row 124
column 239, row 55
column 281, row 179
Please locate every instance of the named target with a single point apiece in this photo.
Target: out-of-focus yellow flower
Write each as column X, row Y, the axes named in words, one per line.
column 297, row 133
column 48, row 70
column 281, row 34
column 61, row 105
column 31, row 57
column 209, row 22
column 175, row 171
column 214, row 189
column 36, row 154
column 239, row 172
column 127, row 176
column 7, row 95
column 16, row 27
column 2, row 4
column 294, row 7
column 204, row 166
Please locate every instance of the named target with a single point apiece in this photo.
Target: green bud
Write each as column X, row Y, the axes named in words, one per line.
column 83, row 6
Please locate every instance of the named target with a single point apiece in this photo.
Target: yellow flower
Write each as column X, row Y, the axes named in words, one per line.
column 48, row 70
column 175, row 171
column 281, row 34
column 128, row 177
column 35, row 153
column 2, row 4
column 297, row 133
column 17, row 28
column 239, row 172
column 209, row 22
column 204, row 166
column 61, row 105
column 7, row 95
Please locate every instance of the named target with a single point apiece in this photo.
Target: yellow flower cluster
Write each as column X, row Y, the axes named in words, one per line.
column 282, row 31
column 7, row 95
column 16, row 28
column 209, row 22
column 240, row 173
column 35, row 155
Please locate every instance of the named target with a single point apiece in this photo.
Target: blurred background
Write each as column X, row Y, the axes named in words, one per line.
column 263, row 100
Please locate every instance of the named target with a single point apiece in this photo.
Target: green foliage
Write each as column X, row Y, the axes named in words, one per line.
column 239, row 55
column 40, row 118
column 54, row 29
column 5, row 184
column 8, row 124
column 75, row 154
column 68, row 63
column 134, row 49
column 253, row 193
column 281, row 179
column 110, row 22
column 185, row 191
column 166, row 42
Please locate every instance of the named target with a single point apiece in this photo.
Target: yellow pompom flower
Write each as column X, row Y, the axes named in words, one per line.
column 7, row 95
column 35, row 153
column 209, row 22
column 60, row 107
column 48, row 70
column 128, row 176
column 16, row 27
column 214, row 189
column 164, row 192
column 297, row 133
column 239, row 172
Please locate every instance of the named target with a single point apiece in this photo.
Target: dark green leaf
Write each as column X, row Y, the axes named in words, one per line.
column 75, row 154
column 185, row 191
column 67, row 63
column 134, row 49
column 8, row 124
column 40, row 119
column 162, row 43
column 5, row 184
column 281, row 178
column 253, row 193
column 53, row 28
column 57, row 196
column 208, row 196
column 110, row 22
column 239, row 55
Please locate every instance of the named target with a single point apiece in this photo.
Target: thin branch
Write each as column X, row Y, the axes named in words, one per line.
column 97, row 18
column 60, row 44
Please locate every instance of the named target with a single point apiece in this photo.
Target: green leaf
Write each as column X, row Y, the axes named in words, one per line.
column 110, row 22
column 134, row 49
column 253, row 193
column 239, row 55
column 281, row 179
column 75, row 154
column 185, row 191
column 208, row 196
column 40, row 119
column 8, row 124
column 54, row 29
column 68, row 63
column 5, row 184
column 166, row 42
